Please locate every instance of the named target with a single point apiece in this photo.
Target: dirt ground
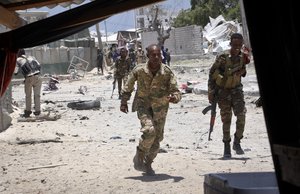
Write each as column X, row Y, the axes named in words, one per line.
column 91, row 151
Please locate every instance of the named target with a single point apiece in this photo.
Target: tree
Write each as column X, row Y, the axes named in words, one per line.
column 184, row 18
column 156, row 24
column 201, row 10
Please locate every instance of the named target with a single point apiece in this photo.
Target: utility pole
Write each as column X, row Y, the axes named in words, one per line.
column 136, row 33
column 245, row 26
column 100, row 45
column 105, row 30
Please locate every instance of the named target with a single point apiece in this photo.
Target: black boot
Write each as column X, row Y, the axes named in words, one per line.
column 227, row 151
column 26, row 113
column 148, row 168
column 138, row 160
column 237, row 146
column 37, row 113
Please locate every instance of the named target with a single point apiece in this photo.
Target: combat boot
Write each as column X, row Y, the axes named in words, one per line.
column 237, row 146
column 138, row 160
column 148, row 168
column 26, row 113
column 37, row 113
column 227, row 150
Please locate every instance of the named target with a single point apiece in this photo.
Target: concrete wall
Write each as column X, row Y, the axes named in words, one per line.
column 183, row 41
column 57, row 60
column 6, row 100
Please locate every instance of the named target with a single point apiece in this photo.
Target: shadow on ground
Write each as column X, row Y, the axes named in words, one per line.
column 156, row 177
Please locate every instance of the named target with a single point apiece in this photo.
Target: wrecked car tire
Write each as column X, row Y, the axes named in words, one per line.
column 84, row 105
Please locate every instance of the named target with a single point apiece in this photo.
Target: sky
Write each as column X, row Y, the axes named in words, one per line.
column 125, row 20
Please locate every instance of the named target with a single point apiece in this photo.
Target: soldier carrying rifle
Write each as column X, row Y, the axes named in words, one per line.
column 121, row 69
column 225, row 87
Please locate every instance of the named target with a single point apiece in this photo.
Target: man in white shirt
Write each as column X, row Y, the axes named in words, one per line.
column 30, row 69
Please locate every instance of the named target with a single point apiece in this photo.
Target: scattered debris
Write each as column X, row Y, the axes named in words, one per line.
column 82, row 90
column 84, row 118
column 35, row 141
column 115, row 137
column 77, row 67
column 48, row 166
column 188, row 87
column 217, row 33
column 59, row 134
column 73, row 74
column 51, row 86
column 49, row 101
column 40, row 118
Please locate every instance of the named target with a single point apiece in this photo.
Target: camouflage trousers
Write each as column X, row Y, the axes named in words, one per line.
column 121, row 81
column 152, row 127
column 232, row 100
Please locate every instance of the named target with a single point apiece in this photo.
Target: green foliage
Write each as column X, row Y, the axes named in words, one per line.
column 184, row 18
column 201, row 10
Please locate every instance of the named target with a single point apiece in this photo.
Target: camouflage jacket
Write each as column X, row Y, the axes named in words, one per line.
column 152, row 90
column 223, row 73
column 122, row 67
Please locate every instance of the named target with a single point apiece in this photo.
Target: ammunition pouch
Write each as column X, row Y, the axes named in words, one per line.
column 26, row 69
column 228, row 81
column 219, row 78
column 30, row 66
column 228, row 78
column 232, row 81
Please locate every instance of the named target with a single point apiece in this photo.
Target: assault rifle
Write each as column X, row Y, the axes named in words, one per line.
column 213, row 113
column 114, row 87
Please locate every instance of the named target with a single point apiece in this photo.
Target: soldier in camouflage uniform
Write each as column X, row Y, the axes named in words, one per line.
column 157, row 87
column 121, row 69
column 140, row 56
column 224, row 85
